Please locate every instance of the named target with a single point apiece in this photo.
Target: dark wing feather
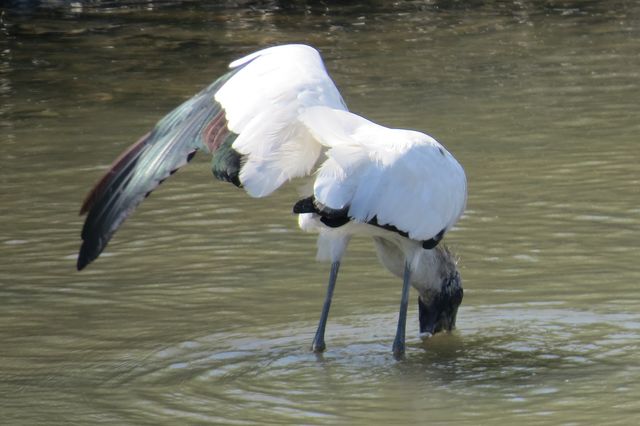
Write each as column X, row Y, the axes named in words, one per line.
column 198, row 123
column 335, row 218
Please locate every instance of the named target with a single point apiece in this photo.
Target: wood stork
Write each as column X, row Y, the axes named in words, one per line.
column 269, row 120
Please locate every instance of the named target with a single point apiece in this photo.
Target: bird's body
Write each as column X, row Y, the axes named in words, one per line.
column 268, row 121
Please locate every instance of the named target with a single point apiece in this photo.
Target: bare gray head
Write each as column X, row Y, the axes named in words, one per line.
column 438, row 305
column 434, row 274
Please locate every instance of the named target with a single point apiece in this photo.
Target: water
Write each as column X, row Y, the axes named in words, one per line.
column 204, row 305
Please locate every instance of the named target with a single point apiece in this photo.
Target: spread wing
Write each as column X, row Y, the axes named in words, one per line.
column 248, row 121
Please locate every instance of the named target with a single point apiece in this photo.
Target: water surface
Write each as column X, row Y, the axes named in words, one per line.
column 203, row 307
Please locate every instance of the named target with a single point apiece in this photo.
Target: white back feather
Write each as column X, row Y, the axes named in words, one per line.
column 402, row 177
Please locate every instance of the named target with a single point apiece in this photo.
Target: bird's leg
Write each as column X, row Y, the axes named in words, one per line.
column 318, row 341
column 398, row 343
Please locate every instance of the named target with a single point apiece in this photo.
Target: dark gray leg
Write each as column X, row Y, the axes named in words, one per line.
column 398, row 343
column 318, row 341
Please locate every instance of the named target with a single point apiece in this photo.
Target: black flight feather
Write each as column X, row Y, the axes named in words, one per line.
column 334, row 218
column 197, row 124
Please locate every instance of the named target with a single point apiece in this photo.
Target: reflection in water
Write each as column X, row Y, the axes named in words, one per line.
column 5, row 68
column 195, row 316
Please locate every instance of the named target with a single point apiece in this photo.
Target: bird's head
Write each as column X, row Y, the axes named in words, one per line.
column 438, row 305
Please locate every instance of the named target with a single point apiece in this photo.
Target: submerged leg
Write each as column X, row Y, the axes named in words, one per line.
column 318, row 341
column 398, row 343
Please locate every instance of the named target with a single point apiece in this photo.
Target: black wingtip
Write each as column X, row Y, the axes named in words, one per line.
column 305, row 206
column 83, row 261
column 86, row 255
column 91, row 248
column 433, row 242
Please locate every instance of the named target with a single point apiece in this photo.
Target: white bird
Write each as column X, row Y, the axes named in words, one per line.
column 269, row 120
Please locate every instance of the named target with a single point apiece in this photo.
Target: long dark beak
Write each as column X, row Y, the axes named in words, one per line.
column 439, row 314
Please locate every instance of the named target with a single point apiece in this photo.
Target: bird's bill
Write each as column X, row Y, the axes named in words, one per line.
column 437, row 315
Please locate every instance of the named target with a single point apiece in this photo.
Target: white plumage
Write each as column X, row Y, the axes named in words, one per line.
column 286, row 109
column 263, row 103
column 279, row 110
column 402, row 177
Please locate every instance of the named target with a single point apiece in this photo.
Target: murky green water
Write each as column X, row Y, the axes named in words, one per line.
column 203, row 308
